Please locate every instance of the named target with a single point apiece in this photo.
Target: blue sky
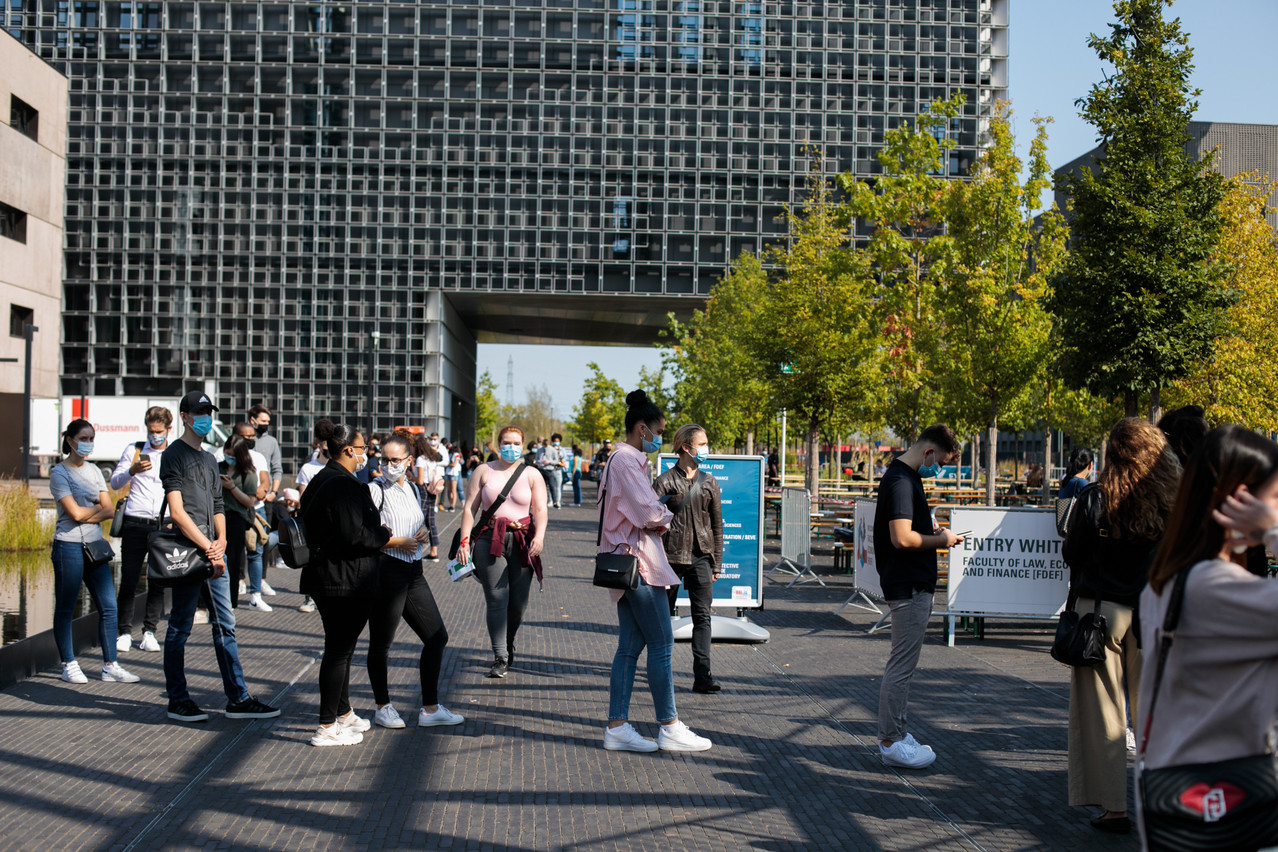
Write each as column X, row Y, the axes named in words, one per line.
column 1050, row 67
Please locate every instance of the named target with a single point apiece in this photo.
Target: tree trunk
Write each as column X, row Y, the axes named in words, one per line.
column 814, row 459
column 1130, row 404
column 1047, row 464
column 976, row 458
column 1155, row 405
column 991, row 450
column 749, row 442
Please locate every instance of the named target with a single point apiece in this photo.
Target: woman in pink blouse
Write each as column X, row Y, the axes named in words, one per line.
column 632, row 520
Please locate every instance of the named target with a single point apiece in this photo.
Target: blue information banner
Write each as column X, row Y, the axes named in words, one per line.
column 741, row 480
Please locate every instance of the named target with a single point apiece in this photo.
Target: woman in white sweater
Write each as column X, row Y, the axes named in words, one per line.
column 1218, row 699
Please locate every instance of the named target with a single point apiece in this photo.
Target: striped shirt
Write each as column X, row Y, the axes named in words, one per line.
column 401, row 511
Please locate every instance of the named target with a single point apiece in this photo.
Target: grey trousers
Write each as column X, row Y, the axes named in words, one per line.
column 506, row 586
column 909, row 625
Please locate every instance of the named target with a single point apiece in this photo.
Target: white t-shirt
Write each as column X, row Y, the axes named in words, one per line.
column 259, row 464
column 307, row 473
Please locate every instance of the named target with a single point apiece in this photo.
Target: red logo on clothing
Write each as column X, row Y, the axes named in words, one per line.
column 1213, row 802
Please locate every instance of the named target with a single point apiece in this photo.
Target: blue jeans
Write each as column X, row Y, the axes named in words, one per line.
column 576, row 488
column 643, row 615
column 554, row 484
column 70, row 569
column 221, row 620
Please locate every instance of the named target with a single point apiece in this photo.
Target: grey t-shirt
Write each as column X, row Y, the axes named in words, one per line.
column 194, row 474
column 269, row 447
column 84, row 484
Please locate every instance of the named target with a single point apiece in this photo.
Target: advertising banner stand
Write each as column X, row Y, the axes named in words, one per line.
column 1009, row 566
column 740, row 585
column 796, row 537
column 865, row 576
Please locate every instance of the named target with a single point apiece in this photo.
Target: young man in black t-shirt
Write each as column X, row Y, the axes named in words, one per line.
column 906, row 539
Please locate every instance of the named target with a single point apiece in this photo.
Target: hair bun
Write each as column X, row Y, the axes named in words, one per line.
column 324, row 429
column 636, row 398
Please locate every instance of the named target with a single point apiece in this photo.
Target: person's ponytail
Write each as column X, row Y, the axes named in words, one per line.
column 640, row 409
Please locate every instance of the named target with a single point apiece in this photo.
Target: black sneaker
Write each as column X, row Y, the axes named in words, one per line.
column 498, row 669
column 250, row 708
column 708, row 687
column 186, row 711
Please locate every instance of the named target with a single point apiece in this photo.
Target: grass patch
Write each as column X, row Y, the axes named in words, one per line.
column 20, row 525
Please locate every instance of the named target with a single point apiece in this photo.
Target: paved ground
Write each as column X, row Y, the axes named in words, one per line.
column 794, row 764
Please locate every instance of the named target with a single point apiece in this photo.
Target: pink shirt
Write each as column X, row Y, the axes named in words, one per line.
column 518, row 503
column 633, row 517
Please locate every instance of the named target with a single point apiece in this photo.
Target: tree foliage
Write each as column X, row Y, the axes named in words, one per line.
column 487, row 409
column 601, row 412
column 1140, row 303
column 1237, row 382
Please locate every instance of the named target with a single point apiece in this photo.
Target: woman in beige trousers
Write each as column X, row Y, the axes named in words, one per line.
column 1114, row 531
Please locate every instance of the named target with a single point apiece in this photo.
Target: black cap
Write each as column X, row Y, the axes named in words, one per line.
column 194, row 401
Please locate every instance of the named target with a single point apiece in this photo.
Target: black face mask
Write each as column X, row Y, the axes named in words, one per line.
column 250, row 443
column 261, row 428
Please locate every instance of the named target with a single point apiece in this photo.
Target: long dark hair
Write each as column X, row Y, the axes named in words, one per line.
column 1185, row 428
column 237, row 448
column 1079, row 461
column 1227, row 458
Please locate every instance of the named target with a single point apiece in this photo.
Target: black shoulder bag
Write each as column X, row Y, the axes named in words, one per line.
column 1232, row 804
column 1080, row 638
column 613, row 570
column 486, row 518
column 172, row 559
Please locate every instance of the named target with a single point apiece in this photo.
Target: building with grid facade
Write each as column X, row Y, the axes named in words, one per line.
column 326, row 205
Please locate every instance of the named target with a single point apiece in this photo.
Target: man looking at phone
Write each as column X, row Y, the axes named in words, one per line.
column 139, row 469
column 193, row 489
column 906, row 539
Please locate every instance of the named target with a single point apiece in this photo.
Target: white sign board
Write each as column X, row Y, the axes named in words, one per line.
column 866, row 572
column 1009, row 564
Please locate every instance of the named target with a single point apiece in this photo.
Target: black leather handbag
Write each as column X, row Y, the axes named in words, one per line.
column 1080, row 638
column 172, row 559
column 1232, row 804
column 613, row 570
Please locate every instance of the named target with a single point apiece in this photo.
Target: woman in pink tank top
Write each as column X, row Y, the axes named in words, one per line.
column 507, row 546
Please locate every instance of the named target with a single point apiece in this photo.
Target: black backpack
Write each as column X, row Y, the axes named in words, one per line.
column 293, row 547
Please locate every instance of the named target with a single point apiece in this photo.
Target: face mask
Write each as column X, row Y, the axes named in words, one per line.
column 651, row 446
column 84, row 448
column 556, row 443
column 434, row 442
column 395, row 472
column 511, row 452
column 261, row 428
column 202, row 424
column 928, row 471
column 702, row 454
column 250, row 443
column 362, row 462
column 157, row 440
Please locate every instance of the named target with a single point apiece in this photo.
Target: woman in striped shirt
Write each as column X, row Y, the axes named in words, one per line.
column 403, row 591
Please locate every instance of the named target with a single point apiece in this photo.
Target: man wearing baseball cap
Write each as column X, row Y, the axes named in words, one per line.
column 193, row 492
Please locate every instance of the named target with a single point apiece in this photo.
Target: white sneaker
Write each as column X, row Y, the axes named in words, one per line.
column 351, row 722
column 124, row 643
column 280, row 564
column 388, row 717
column 441, row 716
column 909, row 738
column 308, row 605
column 201, row 617
column 679, row 737
column 258, row 604
column 1131, row 741
column 336, row 735
column 149, row 642
column 267, row 590
column 907, row 755
column 626, row 738
column 243, row 588
column 71, row 673
column 114, row 673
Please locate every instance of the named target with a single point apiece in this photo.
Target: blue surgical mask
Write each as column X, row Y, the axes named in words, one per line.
column 702, row 455
column 511, row 452
column 202, row 424
column 157, row 440
column 84, row 448
column 653, row 445
column 929, row 470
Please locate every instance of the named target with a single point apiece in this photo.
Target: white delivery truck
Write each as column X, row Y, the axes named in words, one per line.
column 117, row 420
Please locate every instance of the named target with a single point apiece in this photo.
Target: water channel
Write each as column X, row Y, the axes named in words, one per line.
column 26, row 593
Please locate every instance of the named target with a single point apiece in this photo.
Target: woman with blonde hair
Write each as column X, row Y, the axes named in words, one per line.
column 1114, row 533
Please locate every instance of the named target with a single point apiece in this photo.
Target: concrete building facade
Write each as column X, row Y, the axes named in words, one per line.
column 325, row 206
column 33, row 140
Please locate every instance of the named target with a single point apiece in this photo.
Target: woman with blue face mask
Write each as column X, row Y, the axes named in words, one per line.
column 507, row 547
column 694, row 544
column 80, row 554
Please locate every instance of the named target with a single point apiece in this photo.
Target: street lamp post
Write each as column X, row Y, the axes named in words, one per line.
column 28, row 332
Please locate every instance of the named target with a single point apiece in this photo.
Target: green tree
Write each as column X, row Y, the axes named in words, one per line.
column 601, row 412
column 1140, row 301
column 819, row 322
column 487, row 409
column 996, row 330
column 905, row 210
column 653, row 383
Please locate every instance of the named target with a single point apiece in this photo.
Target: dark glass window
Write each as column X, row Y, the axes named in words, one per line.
column 13, row 223
column 23, row 117
column 19, row 319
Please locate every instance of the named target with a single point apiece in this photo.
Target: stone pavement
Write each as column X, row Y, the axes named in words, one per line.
column 794, row 766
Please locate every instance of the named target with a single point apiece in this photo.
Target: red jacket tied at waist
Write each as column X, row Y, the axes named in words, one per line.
column 523, row 538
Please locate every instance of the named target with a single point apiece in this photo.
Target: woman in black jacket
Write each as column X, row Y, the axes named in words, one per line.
column 346, row 536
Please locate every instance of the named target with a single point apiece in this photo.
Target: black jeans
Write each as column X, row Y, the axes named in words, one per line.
column 343, row 619
column 698, row 579
column 133, row 552
column 236, row 527
column 403, row 592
